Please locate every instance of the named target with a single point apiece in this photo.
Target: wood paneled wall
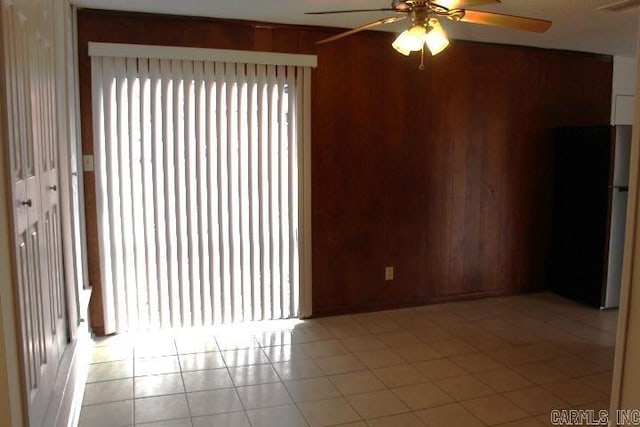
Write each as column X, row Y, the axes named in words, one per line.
column 444, row 174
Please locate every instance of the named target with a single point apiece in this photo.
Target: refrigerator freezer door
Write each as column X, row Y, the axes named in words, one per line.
column 616, row 247
column 582, row 176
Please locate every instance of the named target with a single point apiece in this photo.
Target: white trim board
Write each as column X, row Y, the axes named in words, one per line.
column 625, row 389
column 123, row 50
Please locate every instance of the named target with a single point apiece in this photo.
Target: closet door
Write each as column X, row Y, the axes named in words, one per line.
column 30, row 88
column 47, row 139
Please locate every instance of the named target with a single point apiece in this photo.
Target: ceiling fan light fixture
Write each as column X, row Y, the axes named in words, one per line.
column 410, row 40
column 414, row 39
column 400, row 49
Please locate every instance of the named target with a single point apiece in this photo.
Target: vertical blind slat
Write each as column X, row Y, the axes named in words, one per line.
column 200, row 196
column 292, row 191
column 115, row 229
column 102, row 199
column 261, row 292
column 283, row 199
column 245, row 279
column 197, row 170
column 223, row 190
column 188, row 214
column 263, row 124
column 232, row 190
column 254, row 213
column 296, row 189
column 168, row 143
column 178, row 187
column 274, row 225
column 136, row 225
column 156, row 128
column 212, row 174
column 146, row 160
column 123, row 162
column 191, row 213
column 221, row 142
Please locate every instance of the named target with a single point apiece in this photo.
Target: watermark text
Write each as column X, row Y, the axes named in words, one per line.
column 591, row 417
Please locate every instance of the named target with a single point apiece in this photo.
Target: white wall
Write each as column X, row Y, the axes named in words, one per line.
column 623, row 90
column 624, row 74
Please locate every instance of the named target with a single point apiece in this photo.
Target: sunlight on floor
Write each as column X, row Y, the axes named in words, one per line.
column 497, row 361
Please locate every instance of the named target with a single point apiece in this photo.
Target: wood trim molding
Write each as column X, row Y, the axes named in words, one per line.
column 70, row 383
column 416, row 303
column 12, row 408
column 626, row 389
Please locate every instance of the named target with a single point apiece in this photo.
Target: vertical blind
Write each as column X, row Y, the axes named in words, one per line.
column 197, row 178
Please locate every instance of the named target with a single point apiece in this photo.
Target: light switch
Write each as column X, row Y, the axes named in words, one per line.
column 87, row 163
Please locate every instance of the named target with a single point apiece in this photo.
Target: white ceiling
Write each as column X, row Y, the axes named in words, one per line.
column 577, row 24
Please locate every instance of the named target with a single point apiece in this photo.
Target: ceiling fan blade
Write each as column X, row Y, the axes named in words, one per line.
column 327, row 12
column 462, row 4
column 509, row 21
column 387, row 20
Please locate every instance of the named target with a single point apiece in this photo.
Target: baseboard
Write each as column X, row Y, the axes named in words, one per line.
column 364, row 308
column 66, row 399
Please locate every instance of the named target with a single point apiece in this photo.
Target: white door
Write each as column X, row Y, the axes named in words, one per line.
column 48, row 150
column 32, row 129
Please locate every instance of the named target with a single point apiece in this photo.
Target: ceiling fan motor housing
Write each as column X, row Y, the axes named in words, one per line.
column 421, row 10
column 402, row 6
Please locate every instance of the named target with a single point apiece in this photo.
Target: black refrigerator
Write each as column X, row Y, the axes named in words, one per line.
column 591, row 174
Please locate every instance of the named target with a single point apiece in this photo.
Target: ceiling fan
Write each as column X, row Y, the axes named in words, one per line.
column 426, row 30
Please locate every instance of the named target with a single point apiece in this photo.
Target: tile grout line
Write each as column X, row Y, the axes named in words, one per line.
column 486, row 330
column 133, row 372
column 235, row 386
column 281, row 381
column 184, row 386
column 293, row 400
column 325, row 375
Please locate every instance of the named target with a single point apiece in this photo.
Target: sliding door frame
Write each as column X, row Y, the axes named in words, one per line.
column 305, row 63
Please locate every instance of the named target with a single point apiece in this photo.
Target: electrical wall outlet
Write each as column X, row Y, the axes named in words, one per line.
column 388, row 273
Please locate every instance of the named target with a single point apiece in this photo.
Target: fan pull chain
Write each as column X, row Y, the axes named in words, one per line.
column 421, row 66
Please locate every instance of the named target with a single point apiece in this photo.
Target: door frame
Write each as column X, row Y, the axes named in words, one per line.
column 625, row 388
column 10, row 378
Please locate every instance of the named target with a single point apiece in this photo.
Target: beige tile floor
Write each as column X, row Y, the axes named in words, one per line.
column 504, row 361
